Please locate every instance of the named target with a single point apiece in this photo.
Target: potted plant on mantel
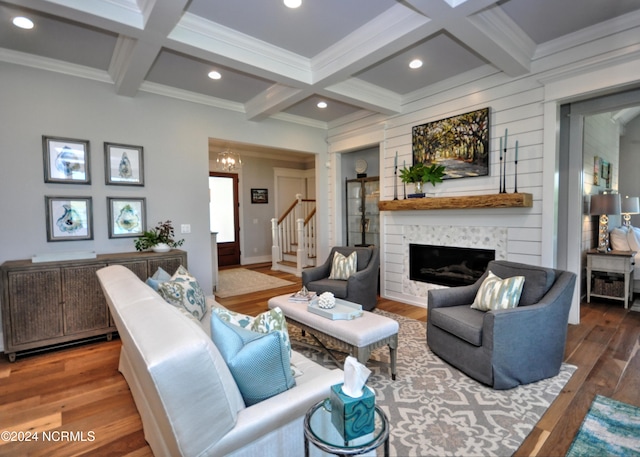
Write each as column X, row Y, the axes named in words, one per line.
column 420, row 173
column 159, row 238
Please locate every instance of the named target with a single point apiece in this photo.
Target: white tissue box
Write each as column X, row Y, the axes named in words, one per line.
column 353, row 417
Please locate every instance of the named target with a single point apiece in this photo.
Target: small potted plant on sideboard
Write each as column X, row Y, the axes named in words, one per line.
column 159, row 239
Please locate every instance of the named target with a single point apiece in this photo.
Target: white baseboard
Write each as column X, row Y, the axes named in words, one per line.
column 256, row 259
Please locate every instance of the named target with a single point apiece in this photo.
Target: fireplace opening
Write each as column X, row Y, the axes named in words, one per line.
column 447, row 265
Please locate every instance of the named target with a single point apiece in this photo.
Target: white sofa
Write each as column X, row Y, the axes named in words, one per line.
column 188, row 400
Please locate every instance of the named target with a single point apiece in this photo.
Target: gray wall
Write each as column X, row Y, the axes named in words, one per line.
column 174, row 135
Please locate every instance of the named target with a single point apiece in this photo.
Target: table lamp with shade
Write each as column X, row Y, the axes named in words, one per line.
column 629, row 206
column 604, row 205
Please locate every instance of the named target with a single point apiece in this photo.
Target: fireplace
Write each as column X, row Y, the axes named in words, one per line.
column 447, row 265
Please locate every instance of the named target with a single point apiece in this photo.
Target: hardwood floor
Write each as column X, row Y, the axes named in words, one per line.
column 78, row 396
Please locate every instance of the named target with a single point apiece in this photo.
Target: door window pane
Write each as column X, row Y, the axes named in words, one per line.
column 221, row 215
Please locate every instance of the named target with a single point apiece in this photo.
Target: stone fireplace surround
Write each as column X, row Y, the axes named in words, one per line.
column 481, row 237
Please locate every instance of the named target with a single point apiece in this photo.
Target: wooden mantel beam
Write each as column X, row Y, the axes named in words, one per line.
column 519, row 200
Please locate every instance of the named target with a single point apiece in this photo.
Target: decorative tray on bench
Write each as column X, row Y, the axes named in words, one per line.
column 344, row 310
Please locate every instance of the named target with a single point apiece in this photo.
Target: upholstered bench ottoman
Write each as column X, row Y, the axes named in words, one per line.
column 357, row 337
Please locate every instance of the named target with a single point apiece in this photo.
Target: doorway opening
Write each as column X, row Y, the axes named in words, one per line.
column 597, row 138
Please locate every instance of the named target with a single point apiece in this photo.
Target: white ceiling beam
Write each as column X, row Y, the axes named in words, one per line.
column 385, row 35
column 217, row 43
column 132, row 58
column 130, row 63
column 273, row 100
column 365, row 95
column 494, row 36
column 483, row 27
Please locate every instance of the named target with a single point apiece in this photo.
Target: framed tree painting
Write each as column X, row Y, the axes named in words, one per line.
column 459, row 143
column 127, row 217
column 123, row 164
column 66, row 160
column 69, row 218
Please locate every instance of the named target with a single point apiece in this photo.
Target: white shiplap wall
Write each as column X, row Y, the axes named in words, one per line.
column 516, row 104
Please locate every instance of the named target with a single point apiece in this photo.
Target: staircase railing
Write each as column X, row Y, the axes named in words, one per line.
column 294, row 236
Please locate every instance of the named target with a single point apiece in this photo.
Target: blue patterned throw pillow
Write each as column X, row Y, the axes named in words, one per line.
column 267, row 322
column 184, row 291
column 259, row 362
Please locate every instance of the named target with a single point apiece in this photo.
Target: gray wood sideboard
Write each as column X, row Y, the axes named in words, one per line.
column 55, row 303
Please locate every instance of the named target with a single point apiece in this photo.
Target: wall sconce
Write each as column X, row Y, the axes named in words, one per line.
column 629, row 206
column 229, row 160
column 604, row 205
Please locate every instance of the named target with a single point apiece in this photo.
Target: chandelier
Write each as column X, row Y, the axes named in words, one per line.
column 229, row 160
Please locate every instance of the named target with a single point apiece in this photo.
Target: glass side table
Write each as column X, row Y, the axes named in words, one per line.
column 319, row 430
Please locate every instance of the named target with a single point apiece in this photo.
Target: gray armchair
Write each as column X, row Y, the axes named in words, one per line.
column 360, row 288
column 504, row 348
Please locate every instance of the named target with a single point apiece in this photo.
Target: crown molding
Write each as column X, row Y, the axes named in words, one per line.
column 589, row 34
column 450, row 83
column 56, row 66
column 193, row 97
column 304, row 121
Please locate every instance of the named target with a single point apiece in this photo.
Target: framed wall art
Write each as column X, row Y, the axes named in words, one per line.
column 127, row 217
column 459, row 143
column 66, row 160
column 123, row 164
column 259, row 196
column 597, row 166
column 69, row 218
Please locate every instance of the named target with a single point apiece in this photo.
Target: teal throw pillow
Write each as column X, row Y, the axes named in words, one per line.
column 497, row 293
column 259, row 363
column 184, row 291
column 158, row 278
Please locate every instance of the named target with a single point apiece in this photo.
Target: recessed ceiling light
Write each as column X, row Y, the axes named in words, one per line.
column 215, row 75
column 322, row 104
column 415, row 63
column 23, row 22
column 292, row 3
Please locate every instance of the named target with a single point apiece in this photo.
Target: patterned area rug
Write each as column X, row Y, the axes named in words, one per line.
column 436, row 410
column 610, row 428
column 238, row 281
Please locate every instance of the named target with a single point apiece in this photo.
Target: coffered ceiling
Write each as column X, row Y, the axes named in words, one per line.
column 280, row 62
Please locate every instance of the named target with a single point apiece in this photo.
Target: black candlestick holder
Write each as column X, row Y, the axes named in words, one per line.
column 395, row 183
column 503, row 185
column 500, row 178
column 515, row 188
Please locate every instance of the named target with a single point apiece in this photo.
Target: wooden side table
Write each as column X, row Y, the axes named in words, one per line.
column 618, row 262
